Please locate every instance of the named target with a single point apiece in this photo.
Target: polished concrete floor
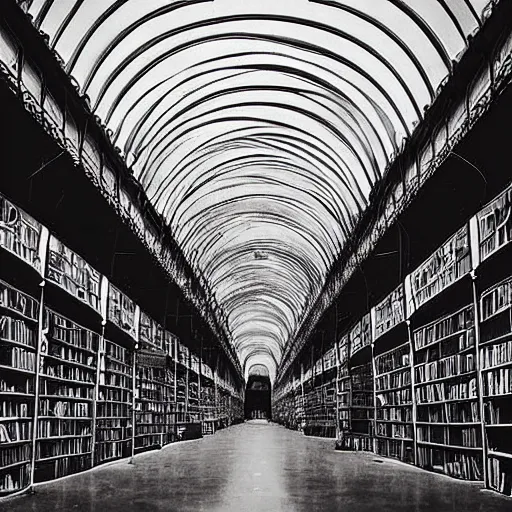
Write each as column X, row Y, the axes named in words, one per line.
column 257, row 467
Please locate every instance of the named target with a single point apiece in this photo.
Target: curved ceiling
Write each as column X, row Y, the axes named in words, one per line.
column 259, row 127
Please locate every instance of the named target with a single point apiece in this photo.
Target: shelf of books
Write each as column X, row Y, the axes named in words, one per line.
column 67, row 379
column 182, row 354
column 496, row 364
column 394, row 407
column 70, row 272
column 343, row 390
column 208, row 400
column 155, row 410
column 114, row 422
column 21, row 236
column 362, row 411
column 448, row 427
column 319, row 400
column 394, row 427
column 194, row 385
column 19, row 315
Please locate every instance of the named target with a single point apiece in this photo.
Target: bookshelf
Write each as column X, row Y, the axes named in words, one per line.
column 343, row 388
column 362, row 406
column 448, row 426
column 496, row 363
column 360, row 436
column 114, row 428
column 18, row 344
column 394, row 404
column 208, row 402
column 394, row 408
column 155, row 405
column 70, row 381
column 67, row 380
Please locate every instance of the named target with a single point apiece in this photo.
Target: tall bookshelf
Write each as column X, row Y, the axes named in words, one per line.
column 394, row 425
column 18, row 344
column 155, row 416
column 67, row 379
column 448, row 419
column 343, row 388
column 362, row 405
column 155, row 390
column 394, row 405
column 496, row 362
column 114, row 422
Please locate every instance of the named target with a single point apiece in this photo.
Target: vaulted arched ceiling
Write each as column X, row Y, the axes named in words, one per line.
column 259, row 127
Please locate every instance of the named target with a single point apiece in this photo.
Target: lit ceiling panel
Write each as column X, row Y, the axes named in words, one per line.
column 258, row 128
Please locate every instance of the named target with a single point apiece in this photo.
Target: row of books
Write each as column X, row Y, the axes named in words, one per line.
column 446, row 391
column 17, row 301
column 62, row 428
column 109, row 410
column 393, row 380
column 450, row 412
column 14, row 454
column 398, row 397
column 63, row 409
column 57, row 389
column 495, row 355
column 448, row 367
column 106, row 435
column 71, row 373
column 497, row 382
column 71, row 354
column 399, row 414
column 18, row 358
column 12, row 329
column 496, row 299
column 120, row 395
column 454, row 463
column 392, row 361
column 14, row 431
column 14, row 409
column 451, row 325
column 394, row 430
column 47, row 448
column 66, row 331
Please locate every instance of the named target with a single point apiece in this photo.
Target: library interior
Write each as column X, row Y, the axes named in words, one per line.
column 255, row 255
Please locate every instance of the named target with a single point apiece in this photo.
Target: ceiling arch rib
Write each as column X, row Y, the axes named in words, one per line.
column 259, row 128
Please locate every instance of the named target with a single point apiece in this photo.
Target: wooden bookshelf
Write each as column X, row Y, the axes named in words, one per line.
column 114, row 428
column 18, row 344
column 496, row 362
column 394, row 403
column 155, row 424
column 67, row 380
column 394, row 407
column 343, row 388
column 446, row 391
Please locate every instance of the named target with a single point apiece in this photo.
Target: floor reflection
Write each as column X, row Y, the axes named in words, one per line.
column 260, row 467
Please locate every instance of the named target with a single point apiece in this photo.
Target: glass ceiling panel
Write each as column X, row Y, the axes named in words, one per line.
column 259, row 128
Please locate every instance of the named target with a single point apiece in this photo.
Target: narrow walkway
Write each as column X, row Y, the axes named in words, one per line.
column 258, row 467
